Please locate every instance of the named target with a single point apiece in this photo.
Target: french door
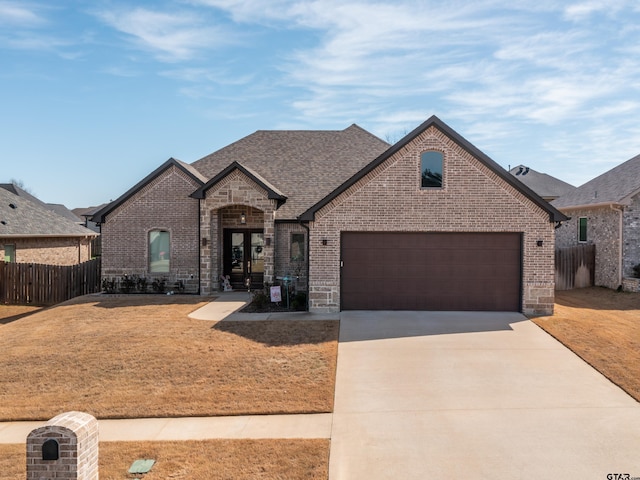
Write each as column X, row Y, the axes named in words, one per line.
column 244, row 257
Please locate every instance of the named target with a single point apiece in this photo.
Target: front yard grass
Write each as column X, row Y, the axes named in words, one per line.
column 601, row 326
column 141, row 356
column 198, row 460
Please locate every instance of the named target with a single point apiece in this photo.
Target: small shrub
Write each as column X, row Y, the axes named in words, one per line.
column 109, row 286
column 260, row 300
column 159, row 285
column 127, row 284
column 299, row 301
column 141, row 284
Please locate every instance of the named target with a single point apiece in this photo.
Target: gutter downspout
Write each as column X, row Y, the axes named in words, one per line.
column 620, row 244
column 306, row 227
column 199, row 246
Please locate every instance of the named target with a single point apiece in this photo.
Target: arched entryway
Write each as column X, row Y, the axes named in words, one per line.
column 243, row 246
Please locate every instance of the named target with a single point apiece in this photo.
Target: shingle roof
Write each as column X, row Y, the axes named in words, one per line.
column 22, row 217
column 545, row 185
column 616, row 186
column 58, row 208
column 433, row 121
column 304, row 165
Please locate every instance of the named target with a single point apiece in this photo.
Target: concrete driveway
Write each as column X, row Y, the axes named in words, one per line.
column 473, row 395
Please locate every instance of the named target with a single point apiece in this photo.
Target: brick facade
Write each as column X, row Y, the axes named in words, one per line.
column 605, row 226
column 474, row 199
column 631, row 236
column 49, row 251
column 285, row 266
column 163, row 204
column 603, row 231
column 76, row 436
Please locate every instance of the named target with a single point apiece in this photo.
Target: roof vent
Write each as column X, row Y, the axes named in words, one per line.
column 526, row 170
column 13, row 205
column 519, row 170
column 3, row 222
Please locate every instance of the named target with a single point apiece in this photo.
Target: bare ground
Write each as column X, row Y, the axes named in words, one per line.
column 199, row 460
column 601, row 326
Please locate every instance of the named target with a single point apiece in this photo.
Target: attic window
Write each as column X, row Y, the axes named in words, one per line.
column 431, row 169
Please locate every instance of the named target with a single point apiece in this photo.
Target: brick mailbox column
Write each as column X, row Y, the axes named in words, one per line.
column 66, row 447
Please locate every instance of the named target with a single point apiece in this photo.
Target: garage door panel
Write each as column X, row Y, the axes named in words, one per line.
column 431, row 271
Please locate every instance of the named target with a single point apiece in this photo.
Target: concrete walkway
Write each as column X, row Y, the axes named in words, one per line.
column 193, row 428
column 473, row 395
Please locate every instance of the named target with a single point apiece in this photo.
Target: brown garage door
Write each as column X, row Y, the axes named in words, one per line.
column 431, row 271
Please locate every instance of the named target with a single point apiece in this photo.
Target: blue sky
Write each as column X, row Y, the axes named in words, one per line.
column 94, row 95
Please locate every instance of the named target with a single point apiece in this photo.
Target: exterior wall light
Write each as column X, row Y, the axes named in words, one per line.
column 243, row 218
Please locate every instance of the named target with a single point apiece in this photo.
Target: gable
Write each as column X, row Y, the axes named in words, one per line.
column 467, row 172
column 189, row 173
column 237, row 171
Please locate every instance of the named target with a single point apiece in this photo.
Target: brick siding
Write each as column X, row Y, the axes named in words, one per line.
column 49, row 251
column 474, row 199
column 603, row 230
column 164, row 204
column 631, row 236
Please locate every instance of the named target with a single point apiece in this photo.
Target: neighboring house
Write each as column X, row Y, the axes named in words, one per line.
column 54, row 207
column 548, row 187
column 31, row 232
column 86, row 215
column 430, row 223
column 606, row 212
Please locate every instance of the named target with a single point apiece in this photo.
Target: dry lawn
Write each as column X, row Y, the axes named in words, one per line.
column 199, row 460
column 141, row 356
column 602, row 326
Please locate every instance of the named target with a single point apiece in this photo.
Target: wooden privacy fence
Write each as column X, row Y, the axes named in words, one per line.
column 25, row 283
column 575, row 267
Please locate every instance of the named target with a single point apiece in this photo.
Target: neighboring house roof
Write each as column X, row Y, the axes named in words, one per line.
column 101, row 214
column 55, row 207
column 303, row 165
column 434, row 121
column 545, row 185
column 88, row 211
column 617, row 186
column 22, row 217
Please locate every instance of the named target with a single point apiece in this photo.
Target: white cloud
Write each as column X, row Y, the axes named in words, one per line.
column 19, row 14
column 172, row 36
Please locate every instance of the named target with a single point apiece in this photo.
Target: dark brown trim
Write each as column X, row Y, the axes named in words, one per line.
column 554, row 214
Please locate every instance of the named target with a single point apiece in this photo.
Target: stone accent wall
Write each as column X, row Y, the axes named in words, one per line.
column 164, row 204
column 221, row 207
column 603, row 231
column 631, row 284
column 284, row 265
column 474, row 199
column 49, row 251
column 76, row 434
column 631, row 236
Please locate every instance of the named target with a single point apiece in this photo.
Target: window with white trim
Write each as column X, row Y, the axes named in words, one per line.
column 582, row 229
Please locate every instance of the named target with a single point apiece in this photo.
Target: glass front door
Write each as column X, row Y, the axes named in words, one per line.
column 244, row 258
